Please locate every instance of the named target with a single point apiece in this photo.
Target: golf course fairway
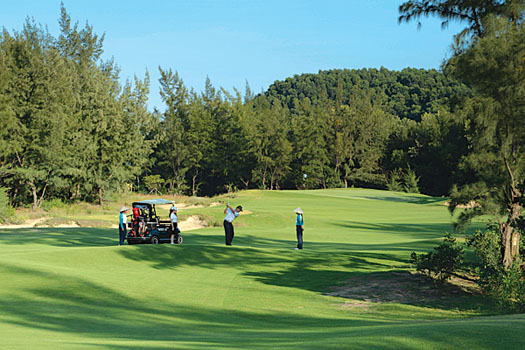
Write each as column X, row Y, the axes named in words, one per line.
column 74, row 288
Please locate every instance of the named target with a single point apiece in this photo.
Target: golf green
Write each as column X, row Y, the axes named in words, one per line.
column 74, row 288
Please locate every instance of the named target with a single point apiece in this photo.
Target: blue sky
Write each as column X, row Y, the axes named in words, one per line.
column 259, row 41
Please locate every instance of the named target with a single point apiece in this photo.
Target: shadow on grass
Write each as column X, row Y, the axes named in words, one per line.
column 93, row 315
column 269, row 261
column 60, row 237
column 253, row 251
column 68, row 304
column 405, row 199
column 414, row 230
column 99, row 237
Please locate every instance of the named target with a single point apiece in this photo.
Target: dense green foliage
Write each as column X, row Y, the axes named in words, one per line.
column 443, row 261
column 6, row 211
column 68, row 125
column 493, row 66
column 409, row 93
column 489, row 57
column 507, row 285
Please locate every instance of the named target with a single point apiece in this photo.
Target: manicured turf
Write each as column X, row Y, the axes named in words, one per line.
column 74, row 288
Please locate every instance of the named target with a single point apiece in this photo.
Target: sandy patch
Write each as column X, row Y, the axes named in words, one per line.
column 399, row 287
column 246, row 212
column 27, row 224
column 66, row 225
column 194, row 222
column 470, row 205
column 183, row 206
column 353, row 305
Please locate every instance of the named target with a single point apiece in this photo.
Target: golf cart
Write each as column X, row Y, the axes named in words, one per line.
column 147, row 227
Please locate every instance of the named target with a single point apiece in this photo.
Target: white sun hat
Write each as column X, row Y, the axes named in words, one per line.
column 298, row 210
column 124, row 208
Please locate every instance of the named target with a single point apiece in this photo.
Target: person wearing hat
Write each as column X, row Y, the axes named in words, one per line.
column 231, row 214
column 299, row 227
column 174, row 220
column 122, row 225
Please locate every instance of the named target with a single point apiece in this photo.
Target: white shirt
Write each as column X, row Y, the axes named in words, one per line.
column 173, row 217
column 231, row 215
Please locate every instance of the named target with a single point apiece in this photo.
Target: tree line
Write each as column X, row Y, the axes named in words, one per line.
column 67, row 122
column 72, row 131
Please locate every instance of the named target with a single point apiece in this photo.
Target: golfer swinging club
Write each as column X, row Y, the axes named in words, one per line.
column 231, row 214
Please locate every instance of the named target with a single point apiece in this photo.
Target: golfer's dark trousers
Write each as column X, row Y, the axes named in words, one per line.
column 122, row 234
column 228, row 231
column 299, row 230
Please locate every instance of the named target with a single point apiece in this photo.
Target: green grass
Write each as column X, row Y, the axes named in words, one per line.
column 73, row 288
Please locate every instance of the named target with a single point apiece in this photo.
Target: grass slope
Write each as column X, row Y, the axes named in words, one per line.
column 73, row 288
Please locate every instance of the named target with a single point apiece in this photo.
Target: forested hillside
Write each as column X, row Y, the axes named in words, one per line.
column 409, row 93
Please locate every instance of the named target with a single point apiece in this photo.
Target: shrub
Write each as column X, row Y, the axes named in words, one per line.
column 403, row 181
column 411, row 181
column 394, row 183
column 53, row 203
column 507, row 286
column 6, row 211
column 154, row 183
column 443, row 261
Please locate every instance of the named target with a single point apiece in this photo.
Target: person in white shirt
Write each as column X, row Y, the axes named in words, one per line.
column 231, row 214
column 174, row 220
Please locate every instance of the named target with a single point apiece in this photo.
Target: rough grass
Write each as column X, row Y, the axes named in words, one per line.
column 73, row 288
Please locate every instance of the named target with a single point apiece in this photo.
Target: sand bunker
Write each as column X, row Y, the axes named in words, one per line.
column 187, row 206
column 194, row 222
column 27, row 224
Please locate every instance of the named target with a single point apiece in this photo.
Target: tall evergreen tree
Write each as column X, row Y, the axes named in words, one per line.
column 495, row 120
column 172, row 153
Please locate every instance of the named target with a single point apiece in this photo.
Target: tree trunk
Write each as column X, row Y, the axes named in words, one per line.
column 246, row 183
column 35, row 195
column 515, row 244
column 193, row 184
column 15, row 194
column 76, row 194
column 510, row 238
column 100, row 196
column 264, row 179
column 37, row 202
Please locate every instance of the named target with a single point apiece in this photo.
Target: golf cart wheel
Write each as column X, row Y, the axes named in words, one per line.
column 155, row 240
column 179, row 239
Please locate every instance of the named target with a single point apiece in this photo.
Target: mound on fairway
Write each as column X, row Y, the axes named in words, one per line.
column 74, row 288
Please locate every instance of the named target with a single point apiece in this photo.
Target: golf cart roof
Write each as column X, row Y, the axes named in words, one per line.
column 158, row 201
